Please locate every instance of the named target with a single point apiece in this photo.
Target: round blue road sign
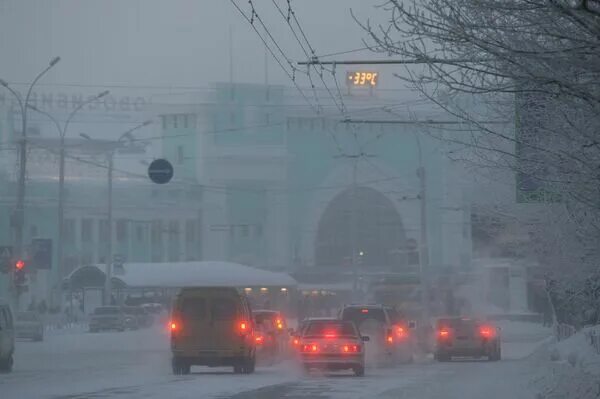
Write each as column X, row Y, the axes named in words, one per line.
column 160, row 171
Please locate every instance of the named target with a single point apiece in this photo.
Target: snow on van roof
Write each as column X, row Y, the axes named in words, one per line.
column 200, row 273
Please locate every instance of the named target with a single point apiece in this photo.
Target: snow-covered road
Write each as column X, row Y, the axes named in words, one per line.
column 136, row 365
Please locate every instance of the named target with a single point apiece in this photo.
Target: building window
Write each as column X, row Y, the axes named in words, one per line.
column 121, row 229
column 33, row 231
column 86, row 230
column 180, row 155
column 139, row 233
column 245, row 230
column 69, row 230
column 190, row 231
column 173, row 229
column 163, row 119
column 258, row 230
column 267, row 118
column 185, row 121
column 175, row 125
column 103, row 230
column 156, row 231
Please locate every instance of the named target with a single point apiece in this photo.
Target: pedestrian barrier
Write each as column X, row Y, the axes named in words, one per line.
column 564, row 331
column 594, row 339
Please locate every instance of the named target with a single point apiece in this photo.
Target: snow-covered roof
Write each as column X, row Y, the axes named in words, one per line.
column 204, row 273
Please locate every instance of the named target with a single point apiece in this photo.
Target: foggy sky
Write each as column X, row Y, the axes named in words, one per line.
column 162, row 42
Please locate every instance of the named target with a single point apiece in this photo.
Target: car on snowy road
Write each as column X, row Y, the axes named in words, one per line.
column 466, row 337
column 7, row 338
column 392, row 340
column 111, row 318
column 29, row 325
column 212, row 326
column 141, row 315
column 332, row 344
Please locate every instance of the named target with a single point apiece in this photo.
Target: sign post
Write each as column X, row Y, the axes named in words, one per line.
column 160, row 171
column 6, row 255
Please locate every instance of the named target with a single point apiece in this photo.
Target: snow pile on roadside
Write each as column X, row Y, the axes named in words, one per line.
column 568, row 369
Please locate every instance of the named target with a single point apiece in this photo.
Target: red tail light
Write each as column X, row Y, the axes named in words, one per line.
column 401, row 332
column 310, row 348
column 259, row 339
column 486, row 332
column 351, row 348
column 443, row 333
column 295, row 341
column 173, row 326
column 244, row 327
column 390, row 339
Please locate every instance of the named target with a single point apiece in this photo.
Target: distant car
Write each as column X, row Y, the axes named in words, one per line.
column 391, row 338
column 267, row 347
column 142, row 316
column 7, row 338
column 153, row 308
column 111, row 318
column 29, row 325
column 274, row 326
column 466, row 337
column 332, row 344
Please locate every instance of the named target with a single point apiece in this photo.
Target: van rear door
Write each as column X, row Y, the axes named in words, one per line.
column 226, row 322
column 194, row 331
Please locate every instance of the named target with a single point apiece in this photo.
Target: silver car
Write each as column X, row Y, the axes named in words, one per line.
column 29, row 325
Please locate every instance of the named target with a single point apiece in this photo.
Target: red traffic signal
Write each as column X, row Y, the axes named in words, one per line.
column 20, row 264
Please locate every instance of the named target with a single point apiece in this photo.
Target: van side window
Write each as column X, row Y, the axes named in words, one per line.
column 193, row 308
column 223, row 309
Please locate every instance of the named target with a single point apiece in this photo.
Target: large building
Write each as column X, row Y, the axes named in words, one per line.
column 260, row 179
column 278, row 182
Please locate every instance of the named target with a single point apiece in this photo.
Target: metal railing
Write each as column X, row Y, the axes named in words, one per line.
column 594, row 339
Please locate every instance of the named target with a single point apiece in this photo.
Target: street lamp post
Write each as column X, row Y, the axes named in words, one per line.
column 19, row 216
column 110, row 154
column 62, row 131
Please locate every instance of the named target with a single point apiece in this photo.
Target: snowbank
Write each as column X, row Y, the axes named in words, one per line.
column 568, row 369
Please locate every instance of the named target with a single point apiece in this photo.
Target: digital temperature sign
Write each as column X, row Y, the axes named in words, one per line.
column 362, row 78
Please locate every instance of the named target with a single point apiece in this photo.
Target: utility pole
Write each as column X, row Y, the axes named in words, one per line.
column 109, row 255
column 354, row 219
column 18, row 219
column 354, row 230
column 110, row 155
column 62, row 131
column 424, row 244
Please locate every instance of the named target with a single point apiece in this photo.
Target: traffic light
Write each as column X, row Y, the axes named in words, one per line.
column 19, row 275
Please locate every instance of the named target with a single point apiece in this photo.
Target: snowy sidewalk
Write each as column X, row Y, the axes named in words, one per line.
column 568, row 369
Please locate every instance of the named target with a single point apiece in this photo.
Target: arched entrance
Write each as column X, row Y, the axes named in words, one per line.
column 379, row 230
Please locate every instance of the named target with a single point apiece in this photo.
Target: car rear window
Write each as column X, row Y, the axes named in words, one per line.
column 459, row 325
column 324, row 328
column 223, row 309
column 193, row 308
column 358, row 315
column 262, row 317
column 106, row 310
